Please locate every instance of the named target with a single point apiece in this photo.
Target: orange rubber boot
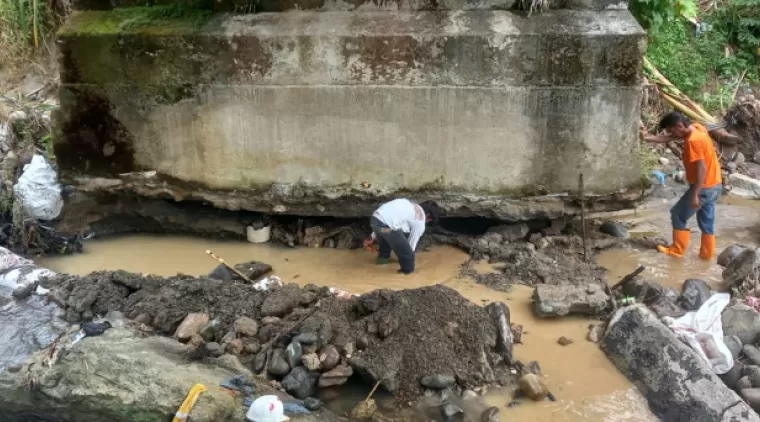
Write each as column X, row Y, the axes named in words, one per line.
column 707, row 250
column 680, row 243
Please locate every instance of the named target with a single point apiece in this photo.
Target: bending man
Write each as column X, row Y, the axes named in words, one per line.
column 398, row 225
column 705, row 184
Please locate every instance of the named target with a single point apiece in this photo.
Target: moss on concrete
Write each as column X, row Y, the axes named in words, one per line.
column 155, row 20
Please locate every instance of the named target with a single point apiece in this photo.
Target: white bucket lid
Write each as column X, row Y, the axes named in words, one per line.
column 266, row 409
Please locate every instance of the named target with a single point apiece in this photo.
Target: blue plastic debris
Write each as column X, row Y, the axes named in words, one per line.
column 294, row 408
column 659, row 175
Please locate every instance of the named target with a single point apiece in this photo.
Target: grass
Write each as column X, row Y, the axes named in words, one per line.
column 699, row 65
column 154, row 19
column 26, row 25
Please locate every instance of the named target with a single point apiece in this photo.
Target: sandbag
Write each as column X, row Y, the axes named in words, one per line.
column 39, row 191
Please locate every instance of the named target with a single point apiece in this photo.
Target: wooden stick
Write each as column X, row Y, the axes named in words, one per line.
column 629, row 277
column 231, row 268
column 583, row 216
column 377, row 384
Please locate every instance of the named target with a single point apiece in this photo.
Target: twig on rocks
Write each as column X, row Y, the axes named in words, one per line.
column 629, row 277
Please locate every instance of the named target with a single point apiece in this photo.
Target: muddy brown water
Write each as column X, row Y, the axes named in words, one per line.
column 587, row 385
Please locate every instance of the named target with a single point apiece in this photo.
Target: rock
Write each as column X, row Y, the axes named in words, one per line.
column 214, row 349
column 246, row 327
column 732, row 377
column 307, row 298
column 228, row 337
column 211, row 331
column 254, row 270
column 663, row 161
column 154, row 364
column 490, row 415
column 23, row 291
column 17, row 116
column 695, row 293
column 14, row 368
column 451, row 412
column 235, row 347
column 739, row 158
column 438, row 381
column 338, row 376
column 306, row 338
column 293, row 354
column 533, row 387
column 371, row 302
column 329, row 357
column 270, row 320
column 220, row 272
column 752, row 397
column 756, row 157
column 511, row 232
column 614, row 229
column 252, row 347
column 534, row 367
column 743, row 384
column 311, row 361
column 469, row 395
column 741, row 321
column 282, row 301
column 752, row 353
column 312, row 404
column 362, row 342
column 561, row 300
column 673, row 378
column 260, row 361
column 564, row 341
column 731, row 167
column 364, row 410
column 595, row 332
column 278, row 365
column 753, row 373
column 743, row 268
column 301, row 382
column 499, row 314
column 744, row 186
column 734, row 344
column 729, row 254
column 144, row 318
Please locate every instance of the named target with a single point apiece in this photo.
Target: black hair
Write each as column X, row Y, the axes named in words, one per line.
column 673, row 118
column 432, row 210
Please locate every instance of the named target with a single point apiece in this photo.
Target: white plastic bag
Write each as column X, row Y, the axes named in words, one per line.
column 39, row 191
column 268, row 283
column 702, row 330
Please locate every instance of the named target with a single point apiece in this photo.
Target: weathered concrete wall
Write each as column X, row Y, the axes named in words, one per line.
column 483, row 107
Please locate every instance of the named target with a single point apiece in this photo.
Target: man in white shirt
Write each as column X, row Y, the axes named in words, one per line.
column 398, row 225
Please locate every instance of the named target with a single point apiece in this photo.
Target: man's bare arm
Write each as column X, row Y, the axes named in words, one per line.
column 657, row 139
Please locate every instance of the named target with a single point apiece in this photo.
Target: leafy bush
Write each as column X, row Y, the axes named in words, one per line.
column 654, row 14
column 25, row 24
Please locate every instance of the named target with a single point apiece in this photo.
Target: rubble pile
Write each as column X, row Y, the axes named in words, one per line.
column 311, row 338
column 744, row 119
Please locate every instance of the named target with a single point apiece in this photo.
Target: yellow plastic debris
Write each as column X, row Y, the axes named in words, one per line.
column 187, row 405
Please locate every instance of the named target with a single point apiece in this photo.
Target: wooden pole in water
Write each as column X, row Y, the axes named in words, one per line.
column 230, row 267
column 583, row 216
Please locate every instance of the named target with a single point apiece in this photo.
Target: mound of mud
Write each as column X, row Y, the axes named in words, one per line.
column 744, row 119
column 308, row 337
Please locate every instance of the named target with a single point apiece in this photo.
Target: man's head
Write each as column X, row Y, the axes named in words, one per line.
column 676, row 124
column 432, row 211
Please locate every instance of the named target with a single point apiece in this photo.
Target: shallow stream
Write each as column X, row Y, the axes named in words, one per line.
column 586, row 384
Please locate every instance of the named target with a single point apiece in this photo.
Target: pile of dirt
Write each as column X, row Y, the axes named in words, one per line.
column 308, row 337
column 744, row 119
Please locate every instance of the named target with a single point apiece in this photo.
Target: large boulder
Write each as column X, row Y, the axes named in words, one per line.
column 561, row 300
column 744, row 268
column 121, row 377
column 741, row 321
column 729, row 254
column 673, row 378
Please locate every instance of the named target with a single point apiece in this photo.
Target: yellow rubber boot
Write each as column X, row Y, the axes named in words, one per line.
column 707, row 250
column 679, row 246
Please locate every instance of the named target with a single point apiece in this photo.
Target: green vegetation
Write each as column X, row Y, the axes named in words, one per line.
column 707, row 65
column 154, row 19
column 25, row 25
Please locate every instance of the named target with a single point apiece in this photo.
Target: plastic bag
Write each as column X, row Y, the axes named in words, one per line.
column 39, row 191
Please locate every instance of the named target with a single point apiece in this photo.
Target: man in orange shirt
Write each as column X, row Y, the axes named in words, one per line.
column 705, row 184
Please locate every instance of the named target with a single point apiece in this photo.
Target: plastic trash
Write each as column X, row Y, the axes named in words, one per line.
column 268, row 283
column 39, row 191
column 258, row 236
column 341, row 294
column 295, row 408
column 266, row 409
column 659, row 176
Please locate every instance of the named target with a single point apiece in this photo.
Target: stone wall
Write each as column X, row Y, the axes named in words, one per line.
column 487, row 111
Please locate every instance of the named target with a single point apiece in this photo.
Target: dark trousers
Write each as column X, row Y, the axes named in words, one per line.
column 395, row 240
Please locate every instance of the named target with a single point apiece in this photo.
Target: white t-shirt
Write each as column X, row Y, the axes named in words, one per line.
column 404, row 215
